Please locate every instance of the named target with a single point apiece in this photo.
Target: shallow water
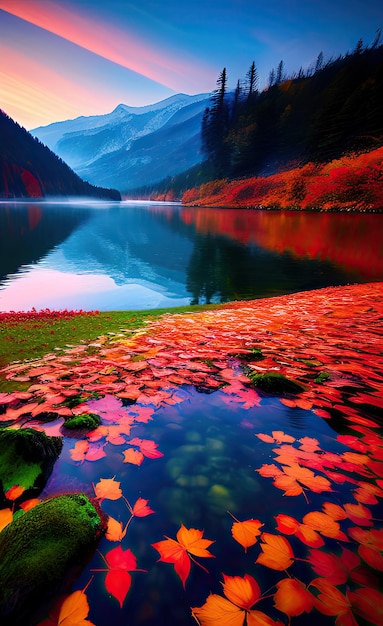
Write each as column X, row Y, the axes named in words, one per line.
column 207, row 474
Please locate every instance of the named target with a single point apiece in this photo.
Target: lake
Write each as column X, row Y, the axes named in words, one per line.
column 142, row 255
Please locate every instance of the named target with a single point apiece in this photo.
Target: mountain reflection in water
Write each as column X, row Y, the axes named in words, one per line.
column 134, row 255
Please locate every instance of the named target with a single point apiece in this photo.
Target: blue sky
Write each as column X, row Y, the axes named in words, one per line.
column 67, row 58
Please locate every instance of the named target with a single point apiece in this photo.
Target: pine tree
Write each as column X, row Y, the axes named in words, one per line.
column 252, row 79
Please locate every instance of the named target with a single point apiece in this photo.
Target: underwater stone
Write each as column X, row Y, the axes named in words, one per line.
column 42, row 552
column 220, row 500
column 27, row 457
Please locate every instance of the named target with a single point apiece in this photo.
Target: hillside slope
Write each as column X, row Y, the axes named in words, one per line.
column 28, row 169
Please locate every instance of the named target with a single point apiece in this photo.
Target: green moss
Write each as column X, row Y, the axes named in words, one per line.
column 275, row 383
column 27, row 457
column 86, row 421
column 322, row 377
column 254, row 354
column 44, row 547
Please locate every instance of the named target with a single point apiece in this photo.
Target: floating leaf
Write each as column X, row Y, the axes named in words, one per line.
column 188, row 540
column 118, row 580
column 292, row 597
column 141, row 508
column 115, row 530
column 234, row 610
column 290, row 526
column 246, row 532
column 331, row 601
column 368, row 604
column 108, row 489
column 277, row 552
column 69, row 610
column 135, row 457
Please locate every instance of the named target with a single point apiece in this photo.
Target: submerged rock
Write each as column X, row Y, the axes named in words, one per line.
column 42, row 552
column 27, row 458
column 272, row 382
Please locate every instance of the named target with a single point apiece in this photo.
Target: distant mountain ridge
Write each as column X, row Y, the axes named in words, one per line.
column 29, row 169
column 131, row 146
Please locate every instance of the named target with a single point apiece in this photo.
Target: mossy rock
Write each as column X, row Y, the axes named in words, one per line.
column 322, row 377
column 27, row 458
column 275, row 383
column 42, row 552
column 254, row 354
column 85, row 421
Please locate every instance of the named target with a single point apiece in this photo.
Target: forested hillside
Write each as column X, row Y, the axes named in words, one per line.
column 28, row 169
column 297, row 119
column 329, row 112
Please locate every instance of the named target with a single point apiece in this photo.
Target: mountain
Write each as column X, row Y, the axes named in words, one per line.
column 29, row 169
column 131, row 146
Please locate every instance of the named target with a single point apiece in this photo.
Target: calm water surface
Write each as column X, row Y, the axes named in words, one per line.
column 135, row 255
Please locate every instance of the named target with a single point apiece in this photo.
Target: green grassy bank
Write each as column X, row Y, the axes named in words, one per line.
column 33, row 334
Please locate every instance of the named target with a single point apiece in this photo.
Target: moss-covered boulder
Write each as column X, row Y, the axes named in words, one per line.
column 27, row 458
column 84, row 421
column 275, row 383
column 42, row 552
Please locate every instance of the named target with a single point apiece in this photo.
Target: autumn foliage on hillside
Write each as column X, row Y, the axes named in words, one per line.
column 350, row 183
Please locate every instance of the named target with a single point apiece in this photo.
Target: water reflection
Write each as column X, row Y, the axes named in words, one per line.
column 142, row 255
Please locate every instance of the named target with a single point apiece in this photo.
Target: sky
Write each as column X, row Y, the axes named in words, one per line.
column 66, row 58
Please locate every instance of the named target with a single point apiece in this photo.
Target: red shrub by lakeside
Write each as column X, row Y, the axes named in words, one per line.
column 9, row 317
column 350, row 183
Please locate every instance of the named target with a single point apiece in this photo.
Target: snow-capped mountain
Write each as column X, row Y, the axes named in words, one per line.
column 131, row 146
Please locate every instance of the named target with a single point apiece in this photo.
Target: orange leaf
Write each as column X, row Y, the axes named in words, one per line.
column 359, row 514
column 133, row 456
column 191, row 540
column 6, row 517
column 243, row 592
column 115, row 530
column 29, row 504
column 277, row 552
column 172, row 552
column 70, row 610
column 176, row 551
column 324, row 524
column 246, row 532
column 108, row 489
column 218, row 611
column 292, row 597
column 141, row 508
column 334, row 510
column 330, row 600
column 14, row 492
